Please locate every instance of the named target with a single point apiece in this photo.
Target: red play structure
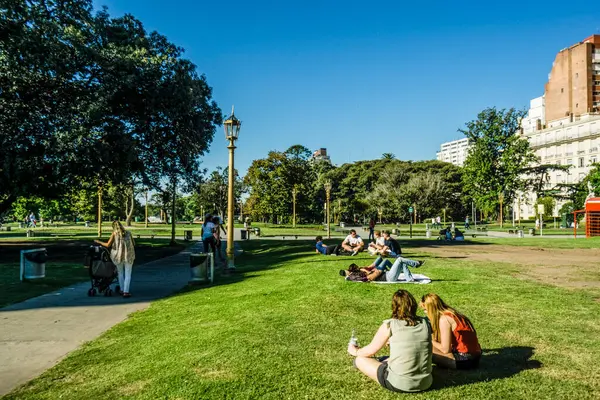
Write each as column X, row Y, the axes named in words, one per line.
column 592, row 217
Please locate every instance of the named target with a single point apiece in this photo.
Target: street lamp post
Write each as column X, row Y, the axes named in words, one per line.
column 380, row 212
column 232, row 130
column 328, row 194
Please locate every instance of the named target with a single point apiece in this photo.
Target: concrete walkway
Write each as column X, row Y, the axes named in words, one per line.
column 39, row 332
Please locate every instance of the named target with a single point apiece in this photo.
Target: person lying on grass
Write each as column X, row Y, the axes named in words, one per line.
column 455, row 343
column 321, row 248
column 383, row 269
column 353, row 243
column 408, row 368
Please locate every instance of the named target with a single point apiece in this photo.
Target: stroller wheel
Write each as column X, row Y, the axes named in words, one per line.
column 108, row 292
column 117, row 289
column 92, row 292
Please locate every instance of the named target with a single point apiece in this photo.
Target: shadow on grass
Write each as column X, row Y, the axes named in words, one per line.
column 495, row 364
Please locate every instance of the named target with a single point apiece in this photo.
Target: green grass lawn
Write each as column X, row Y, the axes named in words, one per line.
column 64, row 266
column 58, row 275
column 278, row 329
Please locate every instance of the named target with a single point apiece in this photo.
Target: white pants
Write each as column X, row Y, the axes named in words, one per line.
column 124, row 276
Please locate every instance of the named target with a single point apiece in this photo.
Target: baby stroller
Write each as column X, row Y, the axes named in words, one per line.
column 103, row 272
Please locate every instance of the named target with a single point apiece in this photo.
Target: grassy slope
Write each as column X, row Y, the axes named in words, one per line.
column 280, row 329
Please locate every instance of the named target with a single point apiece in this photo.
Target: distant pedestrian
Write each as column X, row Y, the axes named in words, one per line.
column 32, row 221
column 371, row 230
column 217, row 234
column 122, row 254
column 438, row 221
column 467, row 225
column 208, row 238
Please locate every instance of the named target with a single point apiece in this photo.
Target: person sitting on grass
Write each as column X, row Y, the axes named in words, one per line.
column 408, row 368
column 391, row 245
column 455, row 343
column 458, row 235
column 321, row 248
column 377, row 247
column 353, row 243
column 383, row 270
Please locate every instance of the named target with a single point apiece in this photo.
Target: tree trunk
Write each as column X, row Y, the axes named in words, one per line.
column 173, row 199
column 129, row 210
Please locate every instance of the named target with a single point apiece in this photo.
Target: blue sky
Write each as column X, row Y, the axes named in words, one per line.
column 362, row 78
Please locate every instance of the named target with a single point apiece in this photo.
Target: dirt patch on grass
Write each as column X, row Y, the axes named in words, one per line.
column 576, row 268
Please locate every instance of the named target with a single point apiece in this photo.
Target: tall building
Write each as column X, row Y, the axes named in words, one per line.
column 321, row 155
column 563, row 125
column 454, row 152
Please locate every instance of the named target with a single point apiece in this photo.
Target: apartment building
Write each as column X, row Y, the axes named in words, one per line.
column 454, row 152
column 563, row 125
column 320, row 155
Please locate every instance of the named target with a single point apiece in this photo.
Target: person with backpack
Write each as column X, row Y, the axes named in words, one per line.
column 122, row 254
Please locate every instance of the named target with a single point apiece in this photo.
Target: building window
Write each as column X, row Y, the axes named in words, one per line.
column 576, row 105
column 576, row 74
column 593, row 160
column 581, row 162
column 562, row 90
column 569, row 161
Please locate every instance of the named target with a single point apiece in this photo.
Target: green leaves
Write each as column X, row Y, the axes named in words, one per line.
column 497, row 158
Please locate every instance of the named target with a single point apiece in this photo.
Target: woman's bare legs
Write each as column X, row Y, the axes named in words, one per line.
column 444, row 360
column 368, row 366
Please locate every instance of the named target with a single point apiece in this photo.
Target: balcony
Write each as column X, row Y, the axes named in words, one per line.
column 569, row 153
column 581, row 152
column 593, row 150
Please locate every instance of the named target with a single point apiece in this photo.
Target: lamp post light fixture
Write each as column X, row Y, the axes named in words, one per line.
column 380, row 212
column 327, row 186
column 232, row 130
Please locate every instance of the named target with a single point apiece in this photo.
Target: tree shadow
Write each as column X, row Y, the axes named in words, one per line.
column 495, row 364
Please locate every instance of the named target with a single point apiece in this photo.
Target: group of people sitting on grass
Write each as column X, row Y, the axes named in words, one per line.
column 447, row 234
column 381, row 269
column 445, row 337
column 353, row 244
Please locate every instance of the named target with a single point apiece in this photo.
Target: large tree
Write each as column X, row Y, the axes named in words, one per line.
column 497, row 158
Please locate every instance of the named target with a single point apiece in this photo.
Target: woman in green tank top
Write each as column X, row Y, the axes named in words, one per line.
column 408, row 368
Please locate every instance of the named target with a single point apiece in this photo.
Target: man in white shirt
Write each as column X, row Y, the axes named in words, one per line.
column 353, row 243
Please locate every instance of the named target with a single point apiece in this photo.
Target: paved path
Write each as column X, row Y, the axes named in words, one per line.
column 39, row 332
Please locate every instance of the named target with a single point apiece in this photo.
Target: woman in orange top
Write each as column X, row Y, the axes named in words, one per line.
column 454, row 338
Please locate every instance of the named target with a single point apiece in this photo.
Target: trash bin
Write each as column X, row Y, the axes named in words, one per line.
column 8, row 229
column 201, row 267
column 30, row 233
column 187, row 235
column 244, row 234
column 87, row 224
column 531, row 231
column 33, row 263
column 520, row 233
column 257, row 231
column 428, row 234
column 342, row 224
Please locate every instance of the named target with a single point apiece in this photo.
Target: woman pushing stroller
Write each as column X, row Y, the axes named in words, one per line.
column 122, row 254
